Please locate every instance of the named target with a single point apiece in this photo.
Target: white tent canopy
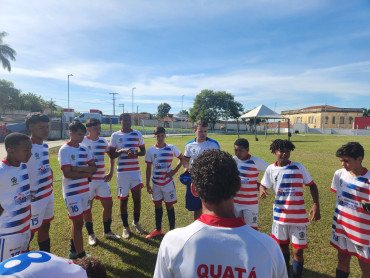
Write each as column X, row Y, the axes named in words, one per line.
column 262, row 112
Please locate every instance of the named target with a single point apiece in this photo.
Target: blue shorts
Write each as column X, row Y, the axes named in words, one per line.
column 192, row 203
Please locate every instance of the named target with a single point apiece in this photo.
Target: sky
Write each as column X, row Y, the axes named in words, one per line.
column 285, row 54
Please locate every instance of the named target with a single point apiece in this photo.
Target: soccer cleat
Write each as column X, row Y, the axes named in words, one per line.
column 111, row 235
column 126, row 232
column 72, row 255
column 92, row 240
column 155, row 233
column 138, row 227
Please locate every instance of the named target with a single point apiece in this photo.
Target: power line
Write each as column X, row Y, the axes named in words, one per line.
column 114, row 103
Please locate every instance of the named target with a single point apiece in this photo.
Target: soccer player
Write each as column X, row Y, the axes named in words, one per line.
column 45, row 265
column 246, row 199
column 218, row 244
column 350, row 234
column 125, row 145
column 15, row 197
column 99, row 186
column 160, row 156
column 290, row 219
column 41, row 179
column 192, row 149
column 77, row 165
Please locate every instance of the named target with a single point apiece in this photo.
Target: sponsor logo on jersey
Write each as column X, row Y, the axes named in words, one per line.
column 73, row 157
column 14, row 181
column 155, row 155
column 193, row 151
column 302, row 235
column 20, row 198
column 43, row 170
column 89, row 147
column 37, row 155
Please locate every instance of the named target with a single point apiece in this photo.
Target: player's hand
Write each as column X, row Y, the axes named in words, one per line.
column 108, row 177
column 131, row 153
column 263, row 193
column 187, row 170
column 315, row 212
column 149, row 189
column 365, row 205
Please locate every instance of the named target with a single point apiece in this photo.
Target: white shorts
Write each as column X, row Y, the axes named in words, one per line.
column 127, row 182
column 283, row 233
column 345, row 245
column 100, row 190
column 42, row 211
column 166, row 193
column 13, row 245
column 77, row 205
column 249, row 213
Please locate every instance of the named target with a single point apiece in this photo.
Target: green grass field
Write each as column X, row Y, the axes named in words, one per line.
column 136, row 257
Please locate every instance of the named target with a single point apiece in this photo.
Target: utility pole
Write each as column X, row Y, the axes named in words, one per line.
column 132, row 94
column 114, row 103
column 123, row 107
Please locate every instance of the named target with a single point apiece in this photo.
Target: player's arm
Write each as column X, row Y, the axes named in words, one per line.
column 174, row 171
column 315, row 210
column 186, row 163
column 263, row 192
column 114, row 153
column 68, row 173
column 148, row 176
column 142, row 151
column 1, row 210
column 109, row 176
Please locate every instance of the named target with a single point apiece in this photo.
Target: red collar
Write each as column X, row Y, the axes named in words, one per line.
column 6, row 162
column 222, row 222
column 131, row 130
column 364, row 172
column 282, row 166
column 160, row 148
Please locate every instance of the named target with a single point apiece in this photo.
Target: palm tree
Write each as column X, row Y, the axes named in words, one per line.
column 366, row 112
column 6, row 53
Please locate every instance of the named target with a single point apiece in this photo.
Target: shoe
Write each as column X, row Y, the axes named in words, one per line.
column 111, row 235
column 72, row 255
column 92, row 240
column 155, row 233
column 138, row 227
column 126, row 232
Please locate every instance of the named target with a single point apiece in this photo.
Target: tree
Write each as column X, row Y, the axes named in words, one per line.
column 163, row 110
column 9, row 96
column 366, row 112
column 214, row 106
column 184, row 112
column 32, row 102
column 6, row 53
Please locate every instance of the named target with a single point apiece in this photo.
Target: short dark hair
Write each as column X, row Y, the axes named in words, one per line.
column 93, row 266
column 13, row 140
column 124, row 115
column 280, row 144
column 92, row 122
column 75, row 126
column 242, row 142
column 200, row 123
column 215, row 176
column 351, row 149
column 34, row 118
column 159, row 129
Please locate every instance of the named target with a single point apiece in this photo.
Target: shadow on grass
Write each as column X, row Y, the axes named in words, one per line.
column 294, row 141
column 113, row 272
column 308, row 273
column 155, row 242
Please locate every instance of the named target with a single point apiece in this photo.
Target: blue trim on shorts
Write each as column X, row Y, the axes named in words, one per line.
column 192, row 203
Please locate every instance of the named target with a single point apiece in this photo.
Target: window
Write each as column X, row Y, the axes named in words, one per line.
column 341, row 121
column 350, row 120
column 333, row 120
column 326, row 120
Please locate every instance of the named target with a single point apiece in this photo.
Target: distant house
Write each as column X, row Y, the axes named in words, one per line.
column 324, row 116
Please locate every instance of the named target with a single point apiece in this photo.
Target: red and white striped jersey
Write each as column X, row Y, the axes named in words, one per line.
column 70, row 156
column 133, row 140
column 350, row 219
column 161, row 158
column 97, row 148
column 39, row 172
column 15, row 199
column 287, row 183
column 249, row 170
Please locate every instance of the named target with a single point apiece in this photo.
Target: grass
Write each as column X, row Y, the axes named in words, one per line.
column 136, row 257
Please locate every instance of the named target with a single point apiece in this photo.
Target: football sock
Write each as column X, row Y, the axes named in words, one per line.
column 171, row 218
column 297, row 269
column 136, row 217
column 341, row 274
column 107, row 225
column 89, row 228
column 45, row 245
column 287, row 259
column 124, row 218
column 81, row 255
column 72, row 246
column 158, row 218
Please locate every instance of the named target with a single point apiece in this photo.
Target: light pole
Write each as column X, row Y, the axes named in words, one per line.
column 114, row 103
column 68, row 97
column 133, row 99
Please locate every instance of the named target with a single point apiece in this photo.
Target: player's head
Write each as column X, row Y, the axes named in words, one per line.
column 160, row 134
column 38, row 124
column 125, row 120
column 241, row 148
column 351, row 155
column 77, row 131
column 201, row 130
column 93, row 266
column 215, row 176
column 282, row 148
column 93, row 126
column 18, row 147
